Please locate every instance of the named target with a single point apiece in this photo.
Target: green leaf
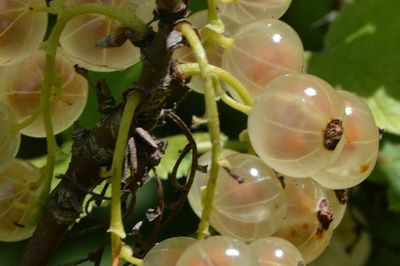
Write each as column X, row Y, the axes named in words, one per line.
column 175, row 145
column 362, row 56
column 389, row 164
column 386, row 110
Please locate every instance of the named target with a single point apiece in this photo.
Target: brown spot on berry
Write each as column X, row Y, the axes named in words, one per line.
column 276, row 206
column 305, row 226
column 333, row 134
column 293, row 233
column 364, row 168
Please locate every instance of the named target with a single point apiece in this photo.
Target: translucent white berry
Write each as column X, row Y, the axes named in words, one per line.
column 78, row 40
column 18, row 201
column 22, row 90
column 275, row 251
column 167, row 252
column 262, row 51
column 249, row 201
column 309, row 217
column 197, row 191
column 21, row 29
column 218, row 250
column 360, row 151
column 296, row 126
column 245, row 11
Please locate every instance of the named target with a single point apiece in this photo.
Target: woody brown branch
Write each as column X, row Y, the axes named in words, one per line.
column 93, row 149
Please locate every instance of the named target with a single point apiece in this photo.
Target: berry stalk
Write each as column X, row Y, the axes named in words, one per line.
column 213, row 124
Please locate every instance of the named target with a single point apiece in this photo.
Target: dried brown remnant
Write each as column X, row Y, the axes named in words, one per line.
column 235, row 176
column 342, row 196
column 381, row 131
column 18, row 224
column 325, row 214
column 333, row 134
column 281, row 178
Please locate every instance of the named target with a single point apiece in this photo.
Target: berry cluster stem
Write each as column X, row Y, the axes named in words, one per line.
column 116, row 226
column 212, row 10
column 50, row 47
column 213, row 124
column 193, row 69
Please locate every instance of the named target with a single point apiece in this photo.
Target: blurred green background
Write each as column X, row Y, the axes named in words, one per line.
column 357, row 51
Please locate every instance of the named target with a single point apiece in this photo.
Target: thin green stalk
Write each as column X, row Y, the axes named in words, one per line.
column 213, row 124
column 229, row 100
column 126, row 17
column 126, row 254
column 234, row 104
column 212, row 10
column 193, row 69
column 116, row 226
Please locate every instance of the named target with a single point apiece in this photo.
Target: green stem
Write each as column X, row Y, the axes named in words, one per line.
column 193, row 69
column 126, row 254
column 234, row 104
column 126, row 17
column 213, row 124
column 229, row 100
column 116, row 226
column 212, row 10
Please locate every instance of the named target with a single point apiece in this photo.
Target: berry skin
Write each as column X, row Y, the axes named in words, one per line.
column 275, row 251
column 218, row 251
column 308, row 222
column 290, row 122
column 245, row 11
column 21, row 30
column 78, row 40
column 360, row 151
column 22, row 92
column 10, row 140
column 262, row 51
column 18, row 222
column 249, row 201
column 167, row 252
